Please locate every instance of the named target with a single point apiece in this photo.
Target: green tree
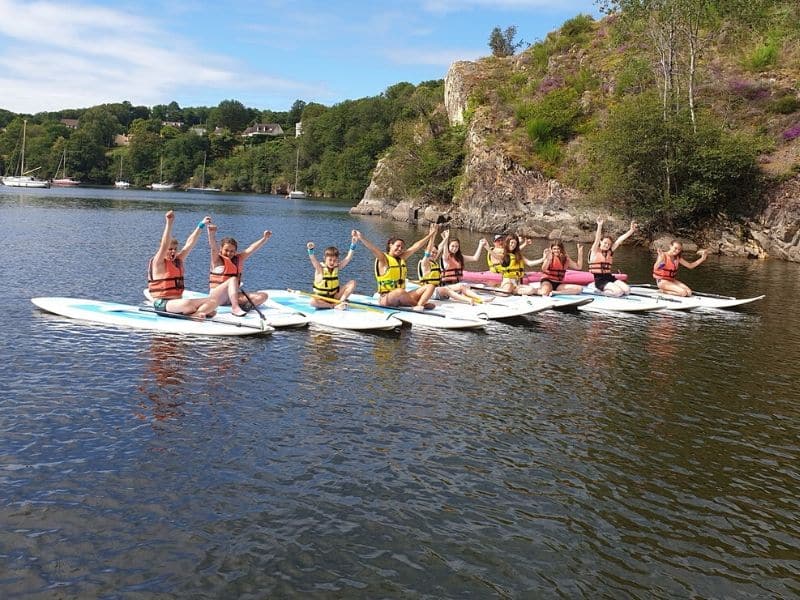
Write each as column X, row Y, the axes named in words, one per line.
column 502, row 42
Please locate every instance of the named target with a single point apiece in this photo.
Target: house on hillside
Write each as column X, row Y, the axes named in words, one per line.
column 121, row 139
column 70, row 123
column 270, row 129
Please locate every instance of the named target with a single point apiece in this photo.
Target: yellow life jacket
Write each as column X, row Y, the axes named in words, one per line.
column 434, row 276
column 394, row 277
column 514, row 269
column 329, row 285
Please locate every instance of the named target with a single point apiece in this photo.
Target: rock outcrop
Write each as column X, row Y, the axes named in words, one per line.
column 497, row 194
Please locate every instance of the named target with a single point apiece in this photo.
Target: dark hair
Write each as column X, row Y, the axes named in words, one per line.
column 230, row 241
column 392, row 240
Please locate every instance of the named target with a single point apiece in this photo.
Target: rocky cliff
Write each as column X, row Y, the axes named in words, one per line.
column 499, row 194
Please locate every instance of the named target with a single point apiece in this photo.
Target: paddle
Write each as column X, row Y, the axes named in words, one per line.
column 163, row 313
column 665, row 297
column 336, row 301
column 419, row 282
column 694, row 293
column 253, row 304
column 418, row 312
column 383, row 309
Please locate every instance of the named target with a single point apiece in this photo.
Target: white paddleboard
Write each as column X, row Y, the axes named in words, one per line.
column 354, row 318
column 139, row 317
column 558, row 301
column 700, row 299
column 275, row 314
column 493, row 307
column 434, row 318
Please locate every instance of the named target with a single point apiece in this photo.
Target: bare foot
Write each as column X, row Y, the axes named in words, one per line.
column 418, row 308
column 199, row 315
column 240, row 313
column 341, row 306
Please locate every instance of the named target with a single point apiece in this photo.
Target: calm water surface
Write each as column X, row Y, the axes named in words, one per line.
column 565, row 455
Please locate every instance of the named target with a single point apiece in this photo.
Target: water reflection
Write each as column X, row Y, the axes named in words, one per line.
column 164, row 379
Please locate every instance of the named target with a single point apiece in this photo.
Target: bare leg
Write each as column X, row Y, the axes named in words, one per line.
column 674, row 287
column 568, row 288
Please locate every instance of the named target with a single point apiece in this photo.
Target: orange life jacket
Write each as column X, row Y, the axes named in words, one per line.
column 231, row 268
column 453, row 270
column 556, row 270
column 601, row 262
column 171, row 285
column 667, row 269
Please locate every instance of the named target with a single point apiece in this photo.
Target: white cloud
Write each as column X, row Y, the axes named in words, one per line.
column 54, row 56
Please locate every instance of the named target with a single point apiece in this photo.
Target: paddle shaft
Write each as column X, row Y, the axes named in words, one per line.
column 694, row 293
column 171, row 315
column 260, row 314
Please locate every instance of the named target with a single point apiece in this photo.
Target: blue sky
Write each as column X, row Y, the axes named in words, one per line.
column 266, row 54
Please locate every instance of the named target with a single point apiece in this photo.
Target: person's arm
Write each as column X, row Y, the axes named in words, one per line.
column 193, row 237
column 547, row 259
column 166, row 238
column 691, row 265
column 598, row 235
column 532, row 262
column 444, row 249
column 577, row 265
column 379, row 254
column 255, row 245
column 623, row 237
column 313, row 259
column 212, row 244
column 434, row 228
column 478, row 251
column 349, row 256
column 660, row 259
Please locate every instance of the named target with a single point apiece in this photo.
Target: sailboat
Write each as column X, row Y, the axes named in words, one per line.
column 23, row 179
column 203, row 187
column 161, row 186
column 296, row 194
column 120, row 182
column 63, row 181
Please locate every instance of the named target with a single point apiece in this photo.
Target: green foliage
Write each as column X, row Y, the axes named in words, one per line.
column 550, row 121
column 635, row 76
column 785, row 105
column 502, row 42
column 577, row 28
column 662, row 172
column 764, row 56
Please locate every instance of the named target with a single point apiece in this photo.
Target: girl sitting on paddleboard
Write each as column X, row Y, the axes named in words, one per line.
column 166, row 271
column 601, row 258
column 432, row 270
column 227, row 268
column 326, row 276
column 554, row 268
column 511, row 264
column 391, row 272
column 666, row 267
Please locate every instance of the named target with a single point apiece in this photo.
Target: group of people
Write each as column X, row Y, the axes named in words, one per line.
column 439, row 272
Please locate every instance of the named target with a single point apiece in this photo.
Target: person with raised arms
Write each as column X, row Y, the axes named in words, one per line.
column 555, row 263
column 326, row 275
column 511, row 265
column 165, row 274
column 391, row 271
column 453, row 260
column 666, row 267
column 432, row 270
column 494, row 253
column 227, row 269
column 601, row 259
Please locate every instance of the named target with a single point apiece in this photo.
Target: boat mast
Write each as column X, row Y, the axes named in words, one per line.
column 296, row 166
column 22, row 160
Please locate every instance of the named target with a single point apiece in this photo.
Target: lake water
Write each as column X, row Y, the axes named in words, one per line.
column 564, row 455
